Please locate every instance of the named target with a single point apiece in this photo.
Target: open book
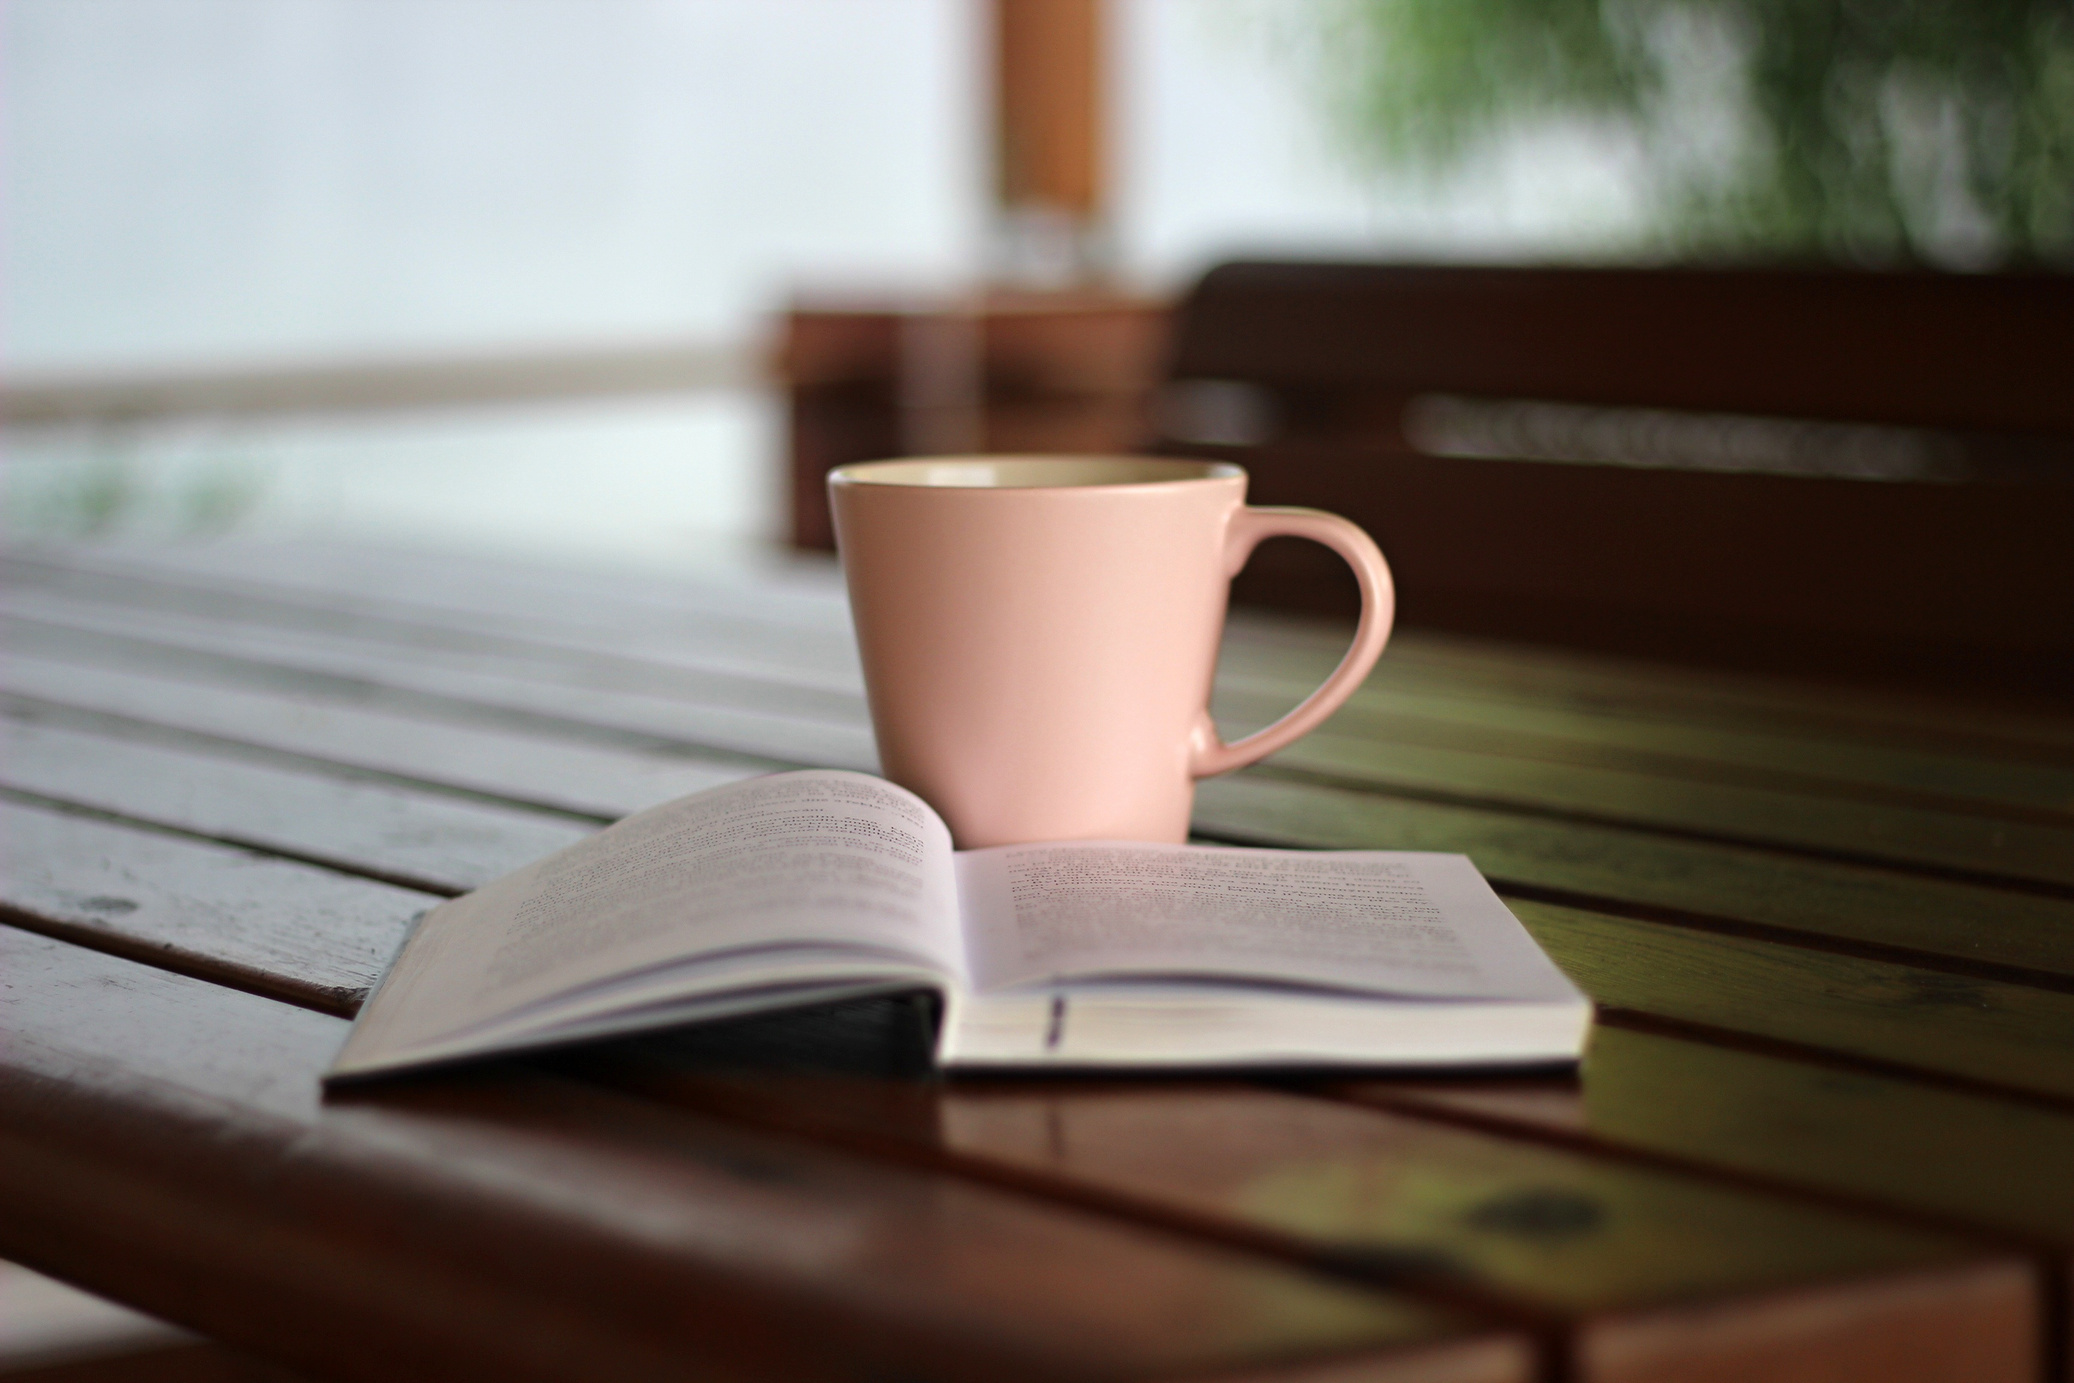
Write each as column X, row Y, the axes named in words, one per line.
column 804, row 888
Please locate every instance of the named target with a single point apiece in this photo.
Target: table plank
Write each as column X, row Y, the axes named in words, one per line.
column 787, row 588
column 2015, row 1037
column 1645, row 1249
column 1540, row 674
column 758, row 726
column 1978, row 1028
column 1622, row 1255
column 287, row 635
column 1270, row 661
column 768, row 630
column 1595, row 863
column 657, row 615
column 1504, row 773
column 588, row 781
column 1881, row 1140
column 1474, row 767
column 421, row 840
column 1995, row 931
column 1399, row 694
column 163, row 1144
column 1993, row 1162
column 1589, row 864
column 1893, row 967
column 236, row 916
column 803, row 595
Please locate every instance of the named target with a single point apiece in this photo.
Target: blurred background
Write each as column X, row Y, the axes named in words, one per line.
column 614, row 281
column 514, row 274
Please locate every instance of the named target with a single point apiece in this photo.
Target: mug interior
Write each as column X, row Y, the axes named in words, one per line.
column 1030, row 472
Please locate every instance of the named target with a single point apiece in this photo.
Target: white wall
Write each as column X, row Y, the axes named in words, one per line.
column 248, row 178
column 198, row 182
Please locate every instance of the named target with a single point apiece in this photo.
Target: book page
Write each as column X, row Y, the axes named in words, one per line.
column 1394, row 922
column 812, row 859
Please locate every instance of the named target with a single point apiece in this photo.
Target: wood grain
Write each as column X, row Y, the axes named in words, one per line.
column 1963, row 1156
column 1596, row 702
column 1992, row 1162
column 1506, row 771
column 304, row 934
column 1391, row 706
column 428, row 841
column 1935, row 920
column 1349, row 1185
column 585, row 780
column 418, row 686
column 2015, row 1037
column 2010, row 729
column 791, row 623
column 429, row 719
column 163, row 1144
column 1962, row 1025
column 787, row 621
column 1607, row 1249
column 1484, row 766
column 717, row 666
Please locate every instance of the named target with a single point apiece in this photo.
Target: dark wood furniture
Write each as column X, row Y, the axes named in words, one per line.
column 1001, row 372
column 1825, row 1130
column 1856, row 474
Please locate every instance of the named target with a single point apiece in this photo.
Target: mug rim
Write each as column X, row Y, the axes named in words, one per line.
column 959, row 473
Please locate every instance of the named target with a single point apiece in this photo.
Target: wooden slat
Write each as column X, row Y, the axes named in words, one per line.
column 753, row 720
column 1994, row 1048
column 1542, row 675
column 1494, row 769
column 163, row 1144
column 1880, row 1140
column 1999, row 931
column 1276, row 675
column 1992, row 1162
column 1630, row 1260
column 696, row 655
column 1969, row 1060
column 1504, row 766
column 1639, row 1251
column 657, row 617
column 787, row 618
column 300, row 933
column 423, row 840
column 1739, row 810
column 1392, row 705
column 2007, row 1035
column 583, row 779
column 1679, row 970
column 1851, row 734
column 1521, row 771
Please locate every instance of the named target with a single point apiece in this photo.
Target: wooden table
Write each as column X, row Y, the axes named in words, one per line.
column 1826, row 1129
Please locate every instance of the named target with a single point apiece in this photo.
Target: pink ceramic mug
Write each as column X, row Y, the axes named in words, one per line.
column 1039, row 636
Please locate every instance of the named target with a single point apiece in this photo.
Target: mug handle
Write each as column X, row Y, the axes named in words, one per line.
column 1209, row 755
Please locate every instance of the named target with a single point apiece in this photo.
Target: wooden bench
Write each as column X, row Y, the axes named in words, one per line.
column 1845, row 474
column 1824, row 1131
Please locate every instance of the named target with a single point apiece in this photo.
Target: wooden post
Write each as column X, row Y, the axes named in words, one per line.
column 1045, row 358
column 1050, row 159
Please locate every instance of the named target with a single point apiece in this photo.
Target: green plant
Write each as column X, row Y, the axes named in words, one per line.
column 113, row 488
column 1869, row 130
